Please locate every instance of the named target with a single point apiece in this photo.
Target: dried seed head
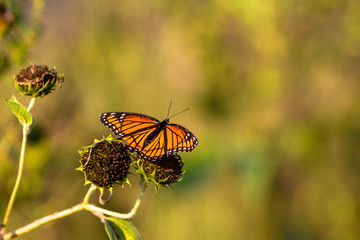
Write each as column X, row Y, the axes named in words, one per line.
column 37, row 80
column 105, row 163
column 165, row 171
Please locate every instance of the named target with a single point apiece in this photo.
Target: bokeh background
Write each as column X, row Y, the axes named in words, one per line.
column 273, row 89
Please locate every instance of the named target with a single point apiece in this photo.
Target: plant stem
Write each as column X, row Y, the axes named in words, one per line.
column 41, row 221
column 52, row 217
column 95, row 210
column 99, row 212
column 20, row 171
column 18, row 179
column 144, row 186
column 88, row 194
column 31, row 104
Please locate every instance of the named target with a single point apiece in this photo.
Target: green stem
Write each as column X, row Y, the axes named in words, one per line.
column 18, row 179
column 20, row 171
column 82, row 206
column 96, row 210
column 99, row 212
column 42, row 221
column 31, row 104
column 144, row 186
column 52, row 217
column 88, row 194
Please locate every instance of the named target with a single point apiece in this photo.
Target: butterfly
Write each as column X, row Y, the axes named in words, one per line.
column 147, row 136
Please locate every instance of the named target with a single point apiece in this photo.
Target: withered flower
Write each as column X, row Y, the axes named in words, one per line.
column 163, row 172
column 105, row 163
column 37, row 80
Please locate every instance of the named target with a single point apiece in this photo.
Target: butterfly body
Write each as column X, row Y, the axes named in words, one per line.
column 147, row 136
column 149, row 139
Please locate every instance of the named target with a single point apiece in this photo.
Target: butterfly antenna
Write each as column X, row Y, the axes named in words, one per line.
column 169, row 110
column 179, row 113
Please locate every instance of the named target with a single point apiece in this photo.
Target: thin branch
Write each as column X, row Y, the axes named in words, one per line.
column 42, row 221
column 96, row 210
column 144, row 186
column 18, row 179
column 20, row 171
column 31, row 104
column 52, row 217
column 88, row 194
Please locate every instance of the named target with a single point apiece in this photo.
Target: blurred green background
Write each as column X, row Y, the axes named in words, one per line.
column 274, row 94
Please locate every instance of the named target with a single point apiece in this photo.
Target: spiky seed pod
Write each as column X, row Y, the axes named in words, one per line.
column 37, row 80
column 163, row 172
column 105, row 163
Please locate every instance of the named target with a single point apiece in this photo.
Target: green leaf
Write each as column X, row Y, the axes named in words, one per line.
column 19, row 110
column 121, row 229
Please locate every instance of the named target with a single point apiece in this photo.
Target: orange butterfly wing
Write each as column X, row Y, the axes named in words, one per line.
column 156, row 149
column 132, row 127
column 179, row 139
column 173, row 138
column 136, row 128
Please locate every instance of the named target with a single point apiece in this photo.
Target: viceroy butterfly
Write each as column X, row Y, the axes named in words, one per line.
column 147, row 136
